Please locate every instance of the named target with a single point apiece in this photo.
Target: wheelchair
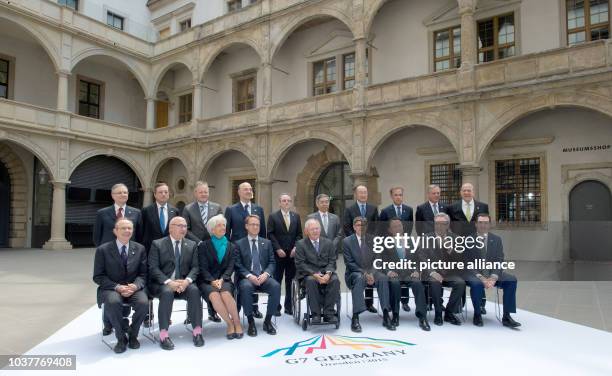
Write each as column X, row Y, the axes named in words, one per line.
column 298, row 291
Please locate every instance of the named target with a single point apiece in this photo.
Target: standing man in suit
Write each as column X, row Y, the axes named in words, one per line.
column 197, row 213
column 478, row 280
column 404, row 213
column 315, row 262
column 173, row 266
column 361, row 208
column 106, row 217
column 400, row 278
column 284, row 230
column 255, row 264
column 105, row 225
column 464, row 212
column 426, row 211
column 329, row 222
column 359, row 260
column 120, row 271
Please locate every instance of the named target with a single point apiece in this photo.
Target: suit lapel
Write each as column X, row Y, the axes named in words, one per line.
column 115, row 254
column 318, row 218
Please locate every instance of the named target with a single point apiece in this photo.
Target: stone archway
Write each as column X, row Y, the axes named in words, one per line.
column 18, row 200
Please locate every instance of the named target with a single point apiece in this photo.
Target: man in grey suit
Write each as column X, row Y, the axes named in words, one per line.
column 173, row 266
column 330, row 223
column 360, row 272
column 315, row 262
column 196, row 215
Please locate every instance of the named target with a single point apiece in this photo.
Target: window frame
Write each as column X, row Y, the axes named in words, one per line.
column 325, row 83
column 229, row 6
column 184, row 114
column 9, row 76
column 453, row 195
column 115, row 16
column 496, row 46
column 236, row 80
column 587, row 23
column 180, row 25
column 451, row 54
column 101, row 96
column 63, row 3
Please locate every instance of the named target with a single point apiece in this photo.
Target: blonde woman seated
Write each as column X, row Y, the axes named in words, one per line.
column 216, row 269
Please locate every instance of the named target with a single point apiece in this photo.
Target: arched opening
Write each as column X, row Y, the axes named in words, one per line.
column 90, row 190
column 336, row 182
column 230, row 169
column 590, row 215
column 173, row 173
column 174, row 96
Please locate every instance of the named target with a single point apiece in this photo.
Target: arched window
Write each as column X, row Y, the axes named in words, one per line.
column 336, row 182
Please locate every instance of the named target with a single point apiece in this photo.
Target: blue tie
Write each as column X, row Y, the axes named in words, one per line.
column 162, row 219
column 177, row 260
column 246, row 209
column 398, row 210
column 124, row 256
column 362, row 209
column 401, row 253
column 255, row 258
column 316, row 246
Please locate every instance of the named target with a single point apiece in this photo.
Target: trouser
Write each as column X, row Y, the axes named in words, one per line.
column 166, row 300
column 285, row 266
column 322, row 298
column 457, row 285
column 357, row 283
column 418, row 290
column 113, row 310
column 246, row 292
column 508, row 283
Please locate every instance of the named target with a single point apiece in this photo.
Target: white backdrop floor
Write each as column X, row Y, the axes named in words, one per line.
column 544, row 346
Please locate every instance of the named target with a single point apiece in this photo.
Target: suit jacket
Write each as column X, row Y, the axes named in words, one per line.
column 355, row 261
column 334, row 229
column 308, row 262
column 459, row 223
column 109, row 270
column 210, row 267
column 151, row 229
column 235, row 216
column 196, row 229
column 105, row 223
column 279, row 235
column 493, row 251
column 353, row 211
column 434, row 252
column 390, row 255
column 389, row 212
column 162, row 262
column 243, row 261
column 425, row 217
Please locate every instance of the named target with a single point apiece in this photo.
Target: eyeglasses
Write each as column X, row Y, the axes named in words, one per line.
column 179, row 225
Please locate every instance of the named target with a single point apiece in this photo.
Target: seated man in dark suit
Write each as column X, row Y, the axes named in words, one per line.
column 424, row 217
column 120, row 271
column 315, row 262
column 404, row 213
column 399, row 278
column 435, row 249
column 254, row 264
column 463, row 213
column 173, row 267
column 359, row 260
column 478, row 280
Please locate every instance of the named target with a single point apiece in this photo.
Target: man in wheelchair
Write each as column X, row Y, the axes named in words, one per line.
column 315, row 262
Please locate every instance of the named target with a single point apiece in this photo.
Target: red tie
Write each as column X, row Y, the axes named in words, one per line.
column 119, row 213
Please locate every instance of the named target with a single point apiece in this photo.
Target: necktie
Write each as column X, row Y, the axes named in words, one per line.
column 362, row 248
column 246, row 209
column 204, row 213
column 287, row 221
column 435, row 208
column 468, row 212
column 316, row 246
column 177, row 260
column 255, row 258
column 362, row 209
column 398, row 211
column 119, row 213
column 401, row 253
column 325, row 222
column 162, row 219
column 124, row 256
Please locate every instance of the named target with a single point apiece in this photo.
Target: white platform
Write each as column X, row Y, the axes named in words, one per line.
column 543, row 346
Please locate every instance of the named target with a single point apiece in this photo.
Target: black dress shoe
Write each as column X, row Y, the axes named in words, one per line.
column 120, row 347
column 438, row 319
column 371, row 308
column 214, row 318
column 198, row 340
column 278, row 313
column 252, row 330
column 483, row 310
column 167, row 344
column 450, row 317
column 187, row 321
column 395, row 319
column 288, row 312
column 147, row 322
column 269, row 328
column 508, row 321
column 355, row 326
column 316, row 318
column 107, row 330
column 133, row 343
column 257, row 314
column 478, row 320
column 423, row 324
column 387, row 323
column 331, row 319
column 406, row 307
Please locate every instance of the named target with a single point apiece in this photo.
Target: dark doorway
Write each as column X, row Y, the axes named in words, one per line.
column 337, row 183
column 42, row 204
column 5, row 205
column 590, row 222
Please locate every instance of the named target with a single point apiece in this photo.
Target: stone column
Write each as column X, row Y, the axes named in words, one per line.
column 62, row 90
column 360, row 73
column 197, row 100
column 266, row 68
column 264, row 195
column 147, row 197
column 58, row 218
column 468, row 33
column 150, row 113
column 470, row 174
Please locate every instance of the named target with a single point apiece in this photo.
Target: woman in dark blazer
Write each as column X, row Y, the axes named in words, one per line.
column 215, row 279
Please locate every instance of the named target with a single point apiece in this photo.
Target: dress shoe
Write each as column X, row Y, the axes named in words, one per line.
column 252, row 330
column 406, row 307
column 331, row 319
column 214, row 318
column 187, row 321
column 508, row 321
column 107, row 330
column 167, row 344
column 387, row 322
column 257, row 314
column 450, row 317
column 395, row 319
column 478, row 320
column 355, row 325
column 316, row 318
column 483, row 310
column 371, row 308
column 269, row 328
column 278, row 313
column 198, row 340
column 120, row 347
column 288, row 312
column 423, row 324
column 133, row 343
column 147, row 322
column 438, row 319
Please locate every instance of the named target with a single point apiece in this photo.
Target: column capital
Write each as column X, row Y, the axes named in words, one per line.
column 197, row 84
column 467, row 6
column 148, row 98
column 63, row 73
column 469, row 169
column 60, row 184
